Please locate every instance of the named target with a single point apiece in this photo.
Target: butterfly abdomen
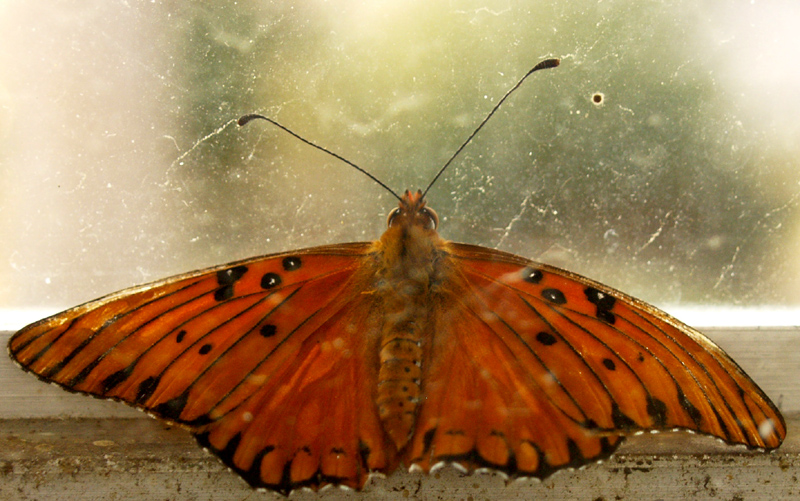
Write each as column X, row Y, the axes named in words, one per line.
column 401, row 356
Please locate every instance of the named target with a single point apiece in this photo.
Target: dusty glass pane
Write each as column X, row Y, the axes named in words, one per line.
column 660, row 158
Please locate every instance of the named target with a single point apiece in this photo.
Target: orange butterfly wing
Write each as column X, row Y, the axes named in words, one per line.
column 535, row 369
column 265, row 360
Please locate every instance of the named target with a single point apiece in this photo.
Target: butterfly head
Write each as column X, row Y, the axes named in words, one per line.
column 413, row 212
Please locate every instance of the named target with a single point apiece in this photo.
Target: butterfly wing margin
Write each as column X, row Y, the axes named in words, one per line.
column 216, row 351
column 585, row 364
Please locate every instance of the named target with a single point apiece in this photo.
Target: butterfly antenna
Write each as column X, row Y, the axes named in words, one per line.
column 547, row 63
column 249, row 118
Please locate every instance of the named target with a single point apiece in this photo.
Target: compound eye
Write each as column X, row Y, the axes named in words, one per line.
column 392, row 217
column 431, row 216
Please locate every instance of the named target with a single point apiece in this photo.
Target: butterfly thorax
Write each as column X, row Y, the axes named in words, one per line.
column 408, row 271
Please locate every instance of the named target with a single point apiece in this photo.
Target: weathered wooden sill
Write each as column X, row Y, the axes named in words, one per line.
column 132, row 458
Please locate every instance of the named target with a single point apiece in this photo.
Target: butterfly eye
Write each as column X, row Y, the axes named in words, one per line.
column 390, row 220
column 433, row 218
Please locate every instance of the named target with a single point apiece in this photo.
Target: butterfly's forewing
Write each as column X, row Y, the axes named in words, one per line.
column 263, row 359
column 535, row 368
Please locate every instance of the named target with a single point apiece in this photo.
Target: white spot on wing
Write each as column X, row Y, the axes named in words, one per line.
column 415, row 468
column 460, row 467
column 766, row 428
column 438, row 466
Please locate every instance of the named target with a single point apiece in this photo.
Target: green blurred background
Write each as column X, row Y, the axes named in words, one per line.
column 121, row 164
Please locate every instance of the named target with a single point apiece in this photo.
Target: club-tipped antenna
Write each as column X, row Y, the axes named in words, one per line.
column 254, row 116
column 547, row 63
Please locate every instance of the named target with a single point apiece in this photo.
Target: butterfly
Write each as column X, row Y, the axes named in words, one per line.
column 324, row 365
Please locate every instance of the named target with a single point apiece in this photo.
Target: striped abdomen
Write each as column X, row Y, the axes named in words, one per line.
column 401, row 355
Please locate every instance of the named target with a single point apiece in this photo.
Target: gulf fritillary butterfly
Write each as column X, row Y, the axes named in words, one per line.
column 319, row 366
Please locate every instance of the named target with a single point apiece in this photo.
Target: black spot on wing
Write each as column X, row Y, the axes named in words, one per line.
column 657, row 410
column 180, row 336
column 268, row 330
column 606, row 316
column 202, row 439
column 609, row 364
column 201, row 420
column 147, row 388
column 110, row 382
column 546, row 338
column 226, row 279
column 603, row 303
column 620, row 420
column 205, row 349
column 292, row 263
column 555, row 296
column 231, row 275
column 576, row 457
column 270, row 280
column 172, row 409
column 223, row 293
column 600, row 299
column 532, row 275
